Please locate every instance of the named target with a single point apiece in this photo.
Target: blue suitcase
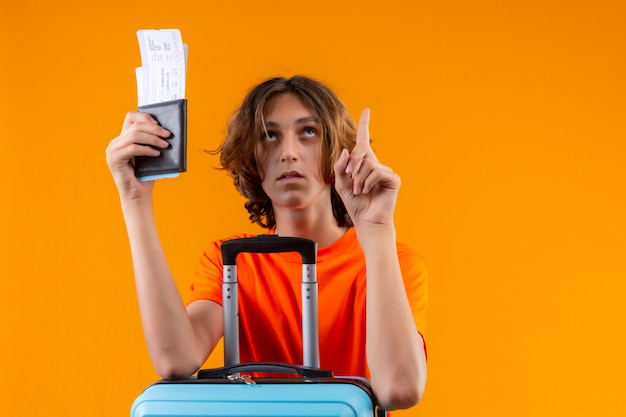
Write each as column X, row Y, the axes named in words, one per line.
column 234, row 390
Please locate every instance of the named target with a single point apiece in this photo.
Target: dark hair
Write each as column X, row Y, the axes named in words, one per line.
column 246, row 128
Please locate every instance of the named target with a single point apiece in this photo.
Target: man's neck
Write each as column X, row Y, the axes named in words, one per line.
column 320, row 229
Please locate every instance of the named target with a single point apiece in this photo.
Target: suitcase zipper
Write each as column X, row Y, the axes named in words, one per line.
column 246, row 379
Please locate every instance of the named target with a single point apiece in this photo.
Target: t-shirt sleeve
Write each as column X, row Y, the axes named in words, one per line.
column 207, row 280
column 415, row 278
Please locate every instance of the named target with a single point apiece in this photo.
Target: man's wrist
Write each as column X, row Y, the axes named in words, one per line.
column 375, row 235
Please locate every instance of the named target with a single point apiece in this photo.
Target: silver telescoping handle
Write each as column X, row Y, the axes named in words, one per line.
column 271, row 244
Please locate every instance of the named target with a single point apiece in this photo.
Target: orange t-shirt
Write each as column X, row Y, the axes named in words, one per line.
column 270, row 301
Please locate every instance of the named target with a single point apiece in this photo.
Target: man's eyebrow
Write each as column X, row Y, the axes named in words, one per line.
column 302, row 120
column 307, row 120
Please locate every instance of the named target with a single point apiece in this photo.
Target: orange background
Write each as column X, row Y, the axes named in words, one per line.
column 505, row 119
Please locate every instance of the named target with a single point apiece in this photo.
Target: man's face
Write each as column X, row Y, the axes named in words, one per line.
column 290, row 154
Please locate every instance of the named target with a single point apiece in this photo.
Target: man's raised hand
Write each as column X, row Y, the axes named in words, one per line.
column 368, row 188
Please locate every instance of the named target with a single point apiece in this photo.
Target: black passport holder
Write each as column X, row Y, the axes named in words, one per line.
column 172, row 115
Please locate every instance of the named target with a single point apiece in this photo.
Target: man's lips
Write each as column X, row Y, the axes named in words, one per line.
column 289, row 174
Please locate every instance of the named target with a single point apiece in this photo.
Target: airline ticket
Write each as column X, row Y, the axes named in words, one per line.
column 162, row 74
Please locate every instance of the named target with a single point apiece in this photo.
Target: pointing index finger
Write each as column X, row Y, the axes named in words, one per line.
column 363, row 130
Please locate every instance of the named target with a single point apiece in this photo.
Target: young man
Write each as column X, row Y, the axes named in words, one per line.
column 294, row 153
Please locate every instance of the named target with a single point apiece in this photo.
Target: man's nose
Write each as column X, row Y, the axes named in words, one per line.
column 289, row 147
